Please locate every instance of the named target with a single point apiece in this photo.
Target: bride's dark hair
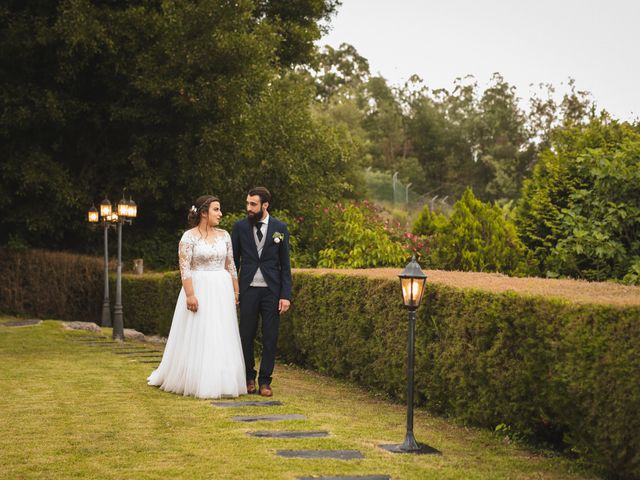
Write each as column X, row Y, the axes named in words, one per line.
column 200, row 206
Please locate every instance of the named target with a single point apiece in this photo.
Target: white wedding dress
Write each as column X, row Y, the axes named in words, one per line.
column 203, row 355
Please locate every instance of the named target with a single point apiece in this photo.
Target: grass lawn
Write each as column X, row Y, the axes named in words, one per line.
column 74, row 410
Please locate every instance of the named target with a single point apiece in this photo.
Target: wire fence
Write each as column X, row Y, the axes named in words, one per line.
column 388, row 188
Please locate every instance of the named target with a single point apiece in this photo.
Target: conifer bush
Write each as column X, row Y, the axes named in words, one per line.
column 476, row 238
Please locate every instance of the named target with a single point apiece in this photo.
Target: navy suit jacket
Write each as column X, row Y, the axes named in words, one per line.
column 274, row 262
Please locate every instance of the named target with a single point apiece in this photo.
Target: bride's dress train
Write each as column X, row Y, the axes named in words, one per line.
column 203, row 355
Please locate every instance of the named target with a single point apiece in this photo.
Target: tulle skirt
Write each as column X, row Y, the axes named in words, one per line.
column 203, row 355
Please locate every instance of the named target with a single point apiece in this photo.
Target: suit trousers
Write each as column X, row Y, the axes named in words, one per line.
column 254, row 302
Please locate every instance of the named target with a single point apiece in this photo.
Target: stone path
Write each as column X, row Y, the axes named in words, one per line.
column 288, row 434
column 22, row 323
column 143, row 354
column 268, row 418
column 310, row 454
column 337, row 454
column 135, row 353
column 259, row 403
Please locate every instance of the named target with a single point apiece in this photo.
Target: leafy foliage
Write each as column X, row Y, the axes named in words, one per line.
column 357, row 240
column 580, row 211
column 168, row 99
column 476, row 237
column 428, row 223
column 557, row 374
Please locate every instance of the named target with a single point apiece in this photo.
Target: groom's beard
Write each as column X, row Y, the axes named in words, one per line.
column 255, row 217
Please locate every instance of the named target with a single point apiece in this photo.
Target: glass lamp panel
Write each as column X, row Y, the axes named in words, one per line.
column 92, row 215
column 412, row 291
column 407, row 291
column 133, row 209
column 123, row 208
column 105, row 208
column 418, row 289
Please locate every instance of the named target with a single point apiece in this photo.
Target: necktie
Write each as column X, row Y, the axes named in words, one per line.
column 259, row 231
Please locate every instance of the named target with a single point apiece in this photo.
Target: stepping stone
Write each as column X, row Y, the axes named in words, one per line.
column 88, row 338
column 349, row 477
column 22, row 323
column 253, row 403
column 282, row 434
column 268, row 418
column 131, row 352
column 144, row 355
column 337, row 454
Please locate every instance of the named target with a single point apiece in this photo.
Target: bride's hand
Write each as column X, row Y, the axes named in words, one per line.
column 192, row 303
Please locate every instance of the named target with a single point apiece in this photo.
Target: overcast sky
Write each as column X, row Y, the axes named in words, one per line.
column 596, row 42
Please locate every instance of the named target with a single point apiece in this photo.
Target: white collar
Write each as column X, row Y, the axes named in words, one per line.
column 265, row 220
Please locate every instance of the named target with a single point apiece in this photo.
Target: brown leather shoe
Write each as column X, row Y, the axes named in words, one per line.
column 265, row 390
column 251, row 387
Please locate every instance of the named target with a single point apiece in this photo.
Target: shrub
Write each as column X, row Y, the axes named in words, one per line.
column 51, row 284
column 580, row 211
column 359, row 240
column 478, row 238
column 598, row 229
column 555, row 373
column 428, row 222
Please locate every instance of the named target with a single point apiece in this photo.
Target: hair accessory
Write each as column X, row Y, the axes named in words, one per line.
column 193, row 209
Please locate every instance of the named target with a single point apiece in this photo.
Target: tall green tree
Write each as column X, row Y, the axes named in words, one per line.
column 438, row 130
column 502, row 140
column 169, row 99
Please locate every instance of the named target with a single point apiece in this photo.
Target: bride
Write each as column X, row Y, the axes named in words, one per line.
column 203, row 355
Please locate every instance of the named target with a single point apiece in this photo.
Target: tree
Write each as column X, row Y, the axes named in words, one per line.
column 440, row 143
column 298, row 23
column 579, row 212
column 502, row 140
column 167, row 99
column 338, row 74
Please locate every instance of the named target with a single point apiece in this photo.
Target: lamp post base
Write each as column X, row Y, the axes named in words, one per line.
column 410, row 445
column 419, row 449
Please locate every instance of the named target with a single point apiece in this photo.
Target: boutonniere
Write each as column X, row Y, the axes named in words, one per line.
column 278, row 237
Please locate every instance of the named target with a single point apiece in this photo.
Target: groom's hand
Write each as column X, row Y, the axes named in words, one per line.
column 283, row 305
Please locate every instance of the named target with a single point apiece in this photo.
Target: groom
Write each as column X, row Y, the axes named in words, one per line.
column 261, row 254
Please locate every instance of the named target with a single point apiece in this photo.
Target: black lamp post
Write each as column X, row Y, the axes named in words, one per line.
column 412, row 280
column 105, row 217
column 126, row 211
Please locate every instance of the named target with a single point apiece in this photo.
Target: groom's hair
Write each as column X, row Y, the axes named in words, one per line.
column 262, row 192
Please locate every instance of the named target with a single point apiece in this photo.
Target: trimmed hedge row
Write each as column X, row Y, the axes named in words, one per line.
column 51, row 284
column 552, row 371
column 149, row 301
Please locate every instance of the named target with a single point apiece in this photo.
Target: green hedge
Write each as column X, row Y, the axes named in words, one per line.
column 551, row 371
column 51, row 284
column 149, row 301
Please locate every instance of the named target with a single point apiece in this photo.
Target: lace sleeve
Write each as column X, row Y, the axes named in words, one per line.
column 185, row 253
column 229, row 264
